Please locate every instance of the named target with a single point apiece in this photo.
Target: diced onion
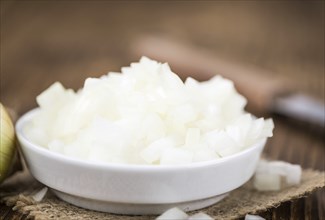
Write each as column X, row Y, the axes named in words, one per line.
column 269, row 173
column 267, row 181
column 253, row 217
column 176, row 213
column 39, row 196
column 172, row 214
column 146, row 115
column 200, row 216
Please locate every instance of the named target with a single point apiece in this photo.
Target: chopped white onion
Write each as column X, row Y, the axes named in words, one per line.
column 39, row 196
column 146, row 115
column 253, row 217
column 200, row 216
column 294, row 174
column 267, row 181
column 172, row 214
column 268, row 175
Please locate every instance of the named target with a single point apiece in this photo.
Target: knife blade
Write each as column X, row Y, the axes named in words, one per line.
column 264, row 92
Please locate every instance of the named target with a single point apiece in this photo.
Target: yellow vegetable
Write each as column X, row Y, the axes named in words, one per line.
column 7, row 144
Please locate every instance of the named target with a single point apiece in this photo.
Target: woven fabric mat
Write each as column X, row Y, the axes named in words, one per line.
column 17, row 191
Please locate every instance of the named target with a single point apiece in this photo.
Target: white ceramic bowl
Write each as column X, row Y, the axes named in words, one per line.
column 137, row 189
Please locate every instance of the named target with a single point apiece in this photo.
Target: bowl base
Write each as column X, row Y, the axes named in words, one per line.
column 136, row 209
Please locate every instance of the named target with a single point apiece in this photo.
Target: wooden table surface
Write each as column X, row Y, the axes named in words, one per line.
column 67, row 41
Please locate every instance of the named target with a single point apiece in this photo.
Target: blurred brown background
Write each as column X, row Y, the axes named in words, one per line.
column 67, row 41
column 47, row 41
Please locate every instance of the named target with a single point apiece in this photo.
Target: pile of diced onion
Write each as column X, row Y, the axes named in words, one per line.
column 146, row 115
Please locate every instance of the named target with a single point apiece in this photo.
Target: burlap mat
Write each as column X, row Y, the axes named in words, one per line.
column 17, row 191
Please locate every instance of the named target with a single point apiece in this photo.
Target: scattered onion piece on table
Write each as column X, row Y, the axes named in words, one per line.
column 200, row 216
column 39, row 196
column 176, row 213
column 268, row 175
column 253, row 217
column 172, row 214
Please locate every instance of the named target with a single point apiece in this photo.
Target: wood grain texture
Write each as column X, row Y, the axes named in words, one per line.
column 47, row 41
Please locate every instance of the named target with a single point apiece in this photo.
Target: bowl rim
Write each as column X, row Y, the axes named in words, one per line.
column 26, row 143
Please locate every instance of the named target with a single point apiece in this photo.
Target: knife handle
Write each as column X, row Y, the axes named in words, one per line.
column 259, row 86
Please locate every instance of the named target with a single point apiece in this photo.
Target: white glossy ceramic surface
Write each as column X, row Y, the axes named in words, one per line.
column 137, row 189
